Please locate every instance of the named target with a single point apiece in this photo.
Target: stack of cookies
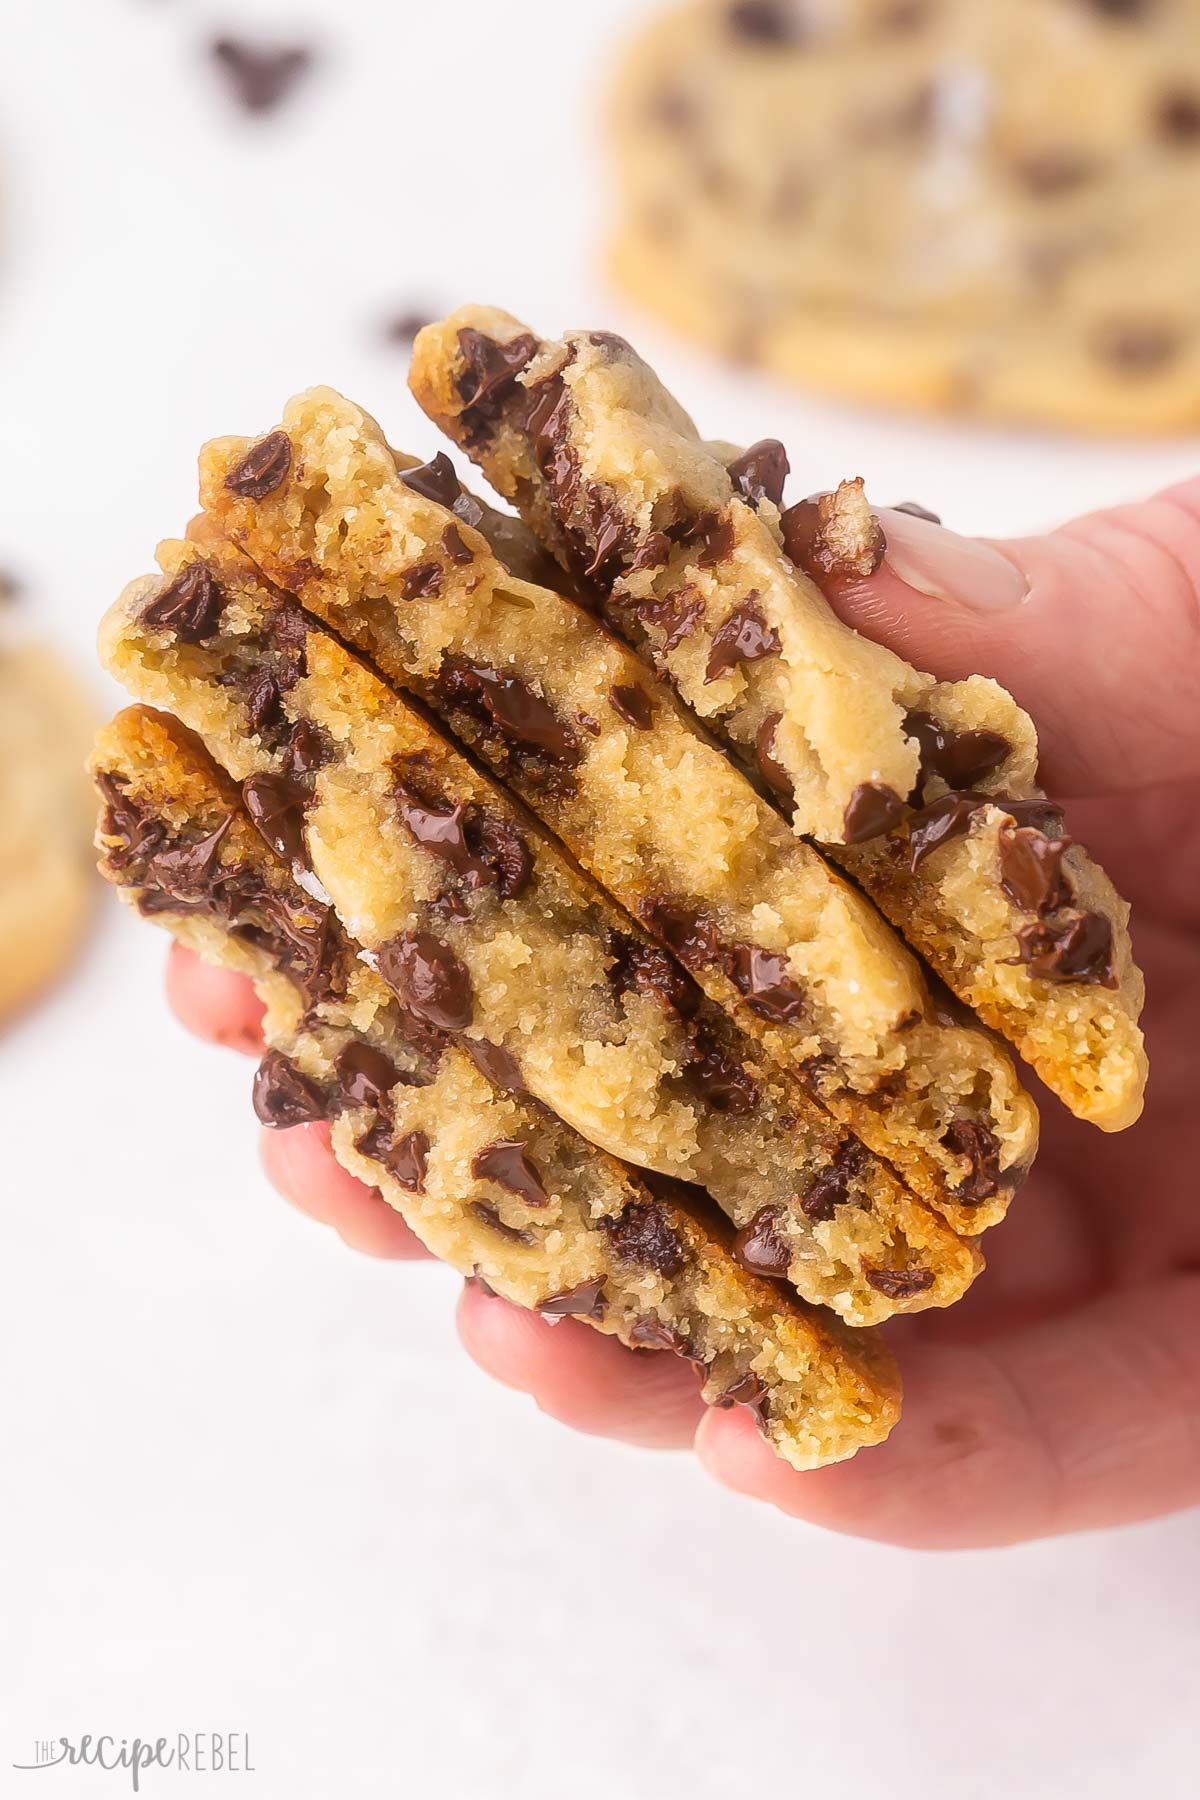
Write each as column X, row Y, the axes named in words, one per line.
column 534, row 834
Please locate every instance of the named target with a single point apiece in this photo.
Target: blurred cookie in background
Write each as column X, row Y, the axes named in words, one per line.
column 48, row 885
column 947, row 204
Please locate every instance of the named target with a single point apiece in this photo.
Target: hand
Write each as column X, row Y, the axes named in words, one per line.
column 1064, row 1393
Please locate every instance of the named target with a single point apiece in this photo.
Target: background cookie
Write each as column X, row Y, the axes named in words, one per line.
column 940, row 203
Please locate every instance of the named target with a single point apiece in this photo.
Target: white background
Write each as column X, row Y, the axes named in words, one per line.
column 248, row 1481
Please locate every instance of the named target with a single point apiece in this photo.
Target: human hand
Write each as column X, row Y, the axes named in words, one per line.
column 1064, row 1393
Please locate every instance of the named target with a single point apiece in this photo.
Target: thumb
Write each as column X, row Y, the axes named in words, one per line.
column 1095, row 629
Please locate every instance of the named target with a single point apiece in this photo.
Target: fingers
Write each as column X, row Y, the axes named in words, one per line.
column 302, row 1167
column 1086, row 1422
column 217, row 1004
column 1095, row 629
column 588, row 1381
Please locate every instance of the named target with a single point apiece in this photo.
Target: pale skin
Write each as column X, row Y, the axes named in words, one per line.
column 1064, row 1393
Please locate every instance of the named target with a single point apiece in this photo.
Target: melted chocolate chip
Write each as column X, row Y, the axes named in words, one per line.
column 647, row 970
column 651, row 1334
column 761, row 975
column 899, row 1284
column 421, row 581
column 437, row 481
column 688, row 933
column 831, row 1188
column 523, row 716
column 480, row 847
column 186, row 869
column 427, row 977
column 276, row 809
column 307, row 750
column 764, row 22
column 547, row 418
column 642, row 1234
column 405, row 1158
column 873, row 808
column 583, row 1302
column 634, row 705
column 980, row 1147
column 758, row 1247
column 916, row 511
column 507, row 1163
column 715, row 533
column 1031, row 871
column 496, row 1065
column 772, row 771
column 456, row 547
column 262, row 469
column 748, row 1390
column 745, row 637
column 438, row 827
column 806, row 542
column 651, row 553
column 283, row 1097
column 366, row 1076
column 1077, row 947
column 489, row 373
column 676, row 617
column 262, row 701
column 503, row 852
column 590, row 725
column 760, row 472
column 939, row 822
column 491, row 1218
column 717, row 1078
column 190, row 606
column 260, row 78
column 961, row 758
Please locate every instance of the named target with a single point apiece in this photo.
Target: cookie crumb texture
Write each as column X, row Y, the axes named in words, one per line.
column 47, row 887
column 489, row 1180
column 981, row 208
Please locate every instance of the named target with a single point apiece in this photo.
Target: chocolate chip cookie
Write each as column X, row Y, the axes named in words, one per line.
column 489, row 1180
column 925, row 791
column 974, row 207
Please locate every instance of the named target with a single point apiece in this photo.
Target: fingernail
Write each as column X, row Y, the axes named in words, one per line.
column 943, row 565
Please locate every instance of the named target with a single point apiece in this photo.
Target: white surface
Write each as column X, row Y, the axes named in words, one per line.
column 248, row 1481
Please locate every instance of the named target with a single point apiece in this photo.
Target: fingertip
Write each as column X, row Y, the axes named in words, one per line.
column 218, row 1005
column 301, row 1165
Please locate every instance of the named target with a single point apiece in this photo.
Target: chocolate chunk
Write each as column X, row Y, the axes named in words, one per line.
column 1078, row 947
column 1031, row 871
column 262, row 469
column 437, row 481
column 634, row 705
column 1053, row 172
column 496, row 1065
column 899, row 1284
column 873, row 808
column 525, row 717
column 190, row 606
column 491, row 1218
column 917, row 511
column 283, row 1097
column 772, row 771
column 748, row 1390
column 262, row 701
column 366, row 1075
column 489, row 373
column 651, row 553
column 648, row 970
column 608, row 532
column 503, row 852
column 407, row 1161
column 651, row 1334
column 676, row 617
column 982, row 1150
column 438, row 827
column 456, row 547
column 961, row 758
column 716, row 535
column 584, row 1302
column 286, row 630
column 546, row 419
column 276, row 808
column 686, row 932
column 1178, row 118
column 642, row 1234
column 831, row 1188
column 422, row 580
column 1137, row 346
column 758, row 1247
column 260, row 78
column 745, row 637
column 939, row 822
column 187, row 868
column 507, row 1162
column 760, row 472
column 307, row 749
column 765, row 22
column 762, row 976
column 427, row 977
column 717, row 1078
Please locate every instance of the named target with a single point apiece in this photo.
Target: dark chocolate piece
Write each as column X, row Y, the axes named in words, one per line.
column 427, row 977
column 491, row 1218
column 873, row 809
column 831, row 1188
column 1076, row 947
column 585, row 1301
column 762, row 976
column 772, row 771
column 495, row 1064
column 262, row 469
column 744, row 637
column 758, row 1247
column 284, row 1097
column 634, row 705
column 190, row 606
column 643, row 1235
column 760, row 472
column 489, row 373
column 276, row 809
column 1031, row 871
column 507, row 1162
column 900, row 1284
column 366, row 1076
column 421, row 581
column 717, row 1078
column 966, row 1137
column 961, row 758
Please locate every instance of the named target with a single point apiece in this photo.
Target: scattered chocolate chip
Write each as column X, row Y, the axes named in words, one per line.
column 495, row 1063
column 642, row 1234
column 720, row 1081
column 421, row 581
column 405, row 1158
column 651, row 1334
column 651, row 553
column 873, row 808
column 437, row 481
column 523, row 716
column 761, row 975
column 1031, row 871
column 427, row 977
column 307, row 750
column 1078, row 947
column 745, row 637
column 716, row 535
column 260, row 78
column 546, row 419
column 1137, row 346
column 507, row 1162
column 262, row 469
column 686, row 932
column 439, row 827
column 1053, row 172
column 765, row 22
column 190, row 606
column 590, row 725
column 185, row 869
column 480, row 847
column 283, row 1097
column 748, row 1390
column 366, row 1076
column 634, row 705
column 276, row 808
column 504, row 852
column 1178, row 118
column 916, row 511
column 771, row 770
column 899, row 1284
column 491, row 1218
column 939, row 822
column 834, row 537
column 831, row 1188
column 584, row 1302
column 961, row 758
column 648, row 970
column 676, row 616
column 758, row 1247
column 980, row 1147
column 456, row 547
column 760, row 472
column 489, row 373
